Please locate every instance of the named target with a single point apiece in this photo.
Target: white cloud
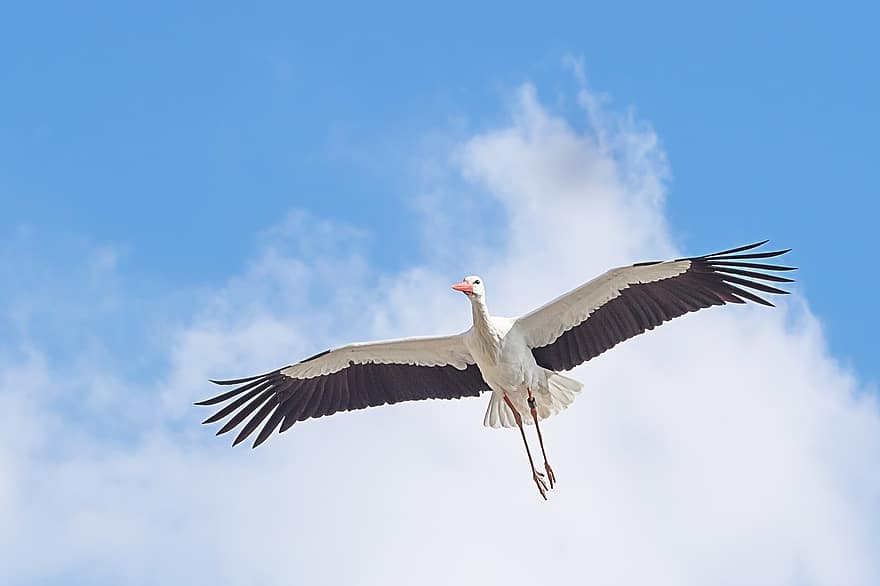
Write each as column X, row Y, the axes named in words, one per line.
column 725, row 448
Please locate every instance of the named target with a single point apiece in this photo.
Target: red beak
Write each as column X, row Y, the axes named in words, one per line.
column 464, row 287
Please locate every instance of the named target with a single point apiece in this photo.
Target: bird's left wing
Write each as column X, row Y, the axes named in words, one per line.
column 626, row 301
column 351, row 377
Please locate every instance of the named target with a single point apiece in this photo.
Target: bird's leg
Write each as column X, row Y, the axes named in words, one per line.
column 550, row 476
column 537, row 476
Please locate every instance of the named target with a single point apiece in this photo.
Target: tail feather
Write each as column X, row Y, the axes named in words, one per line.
column 561, row 392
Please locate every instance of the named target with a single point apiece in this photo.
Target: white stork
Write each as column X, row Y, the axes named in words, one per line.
column 517, row 359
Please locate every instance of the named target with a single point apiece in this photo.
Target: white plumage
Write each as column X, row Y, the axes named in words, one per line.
column 515, row 359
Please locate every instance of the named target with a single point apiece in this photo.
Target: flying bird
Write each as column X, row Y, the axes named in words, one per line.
column 517, row 360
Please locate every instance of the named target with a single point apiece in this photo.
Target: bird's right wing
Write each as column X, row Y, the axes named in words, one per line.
column 627, row 301
column 351, row 377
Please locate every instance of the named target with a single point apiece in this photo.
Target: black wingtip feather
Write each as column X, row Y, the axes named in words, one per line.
column 256, row 383
column 269, row 427
column 753, row 285
column 737, row 249
column 770, row 254
column 750, row 265
column 212, row 400
column 215, row 400
column 749, row 295
column 249, row 408
column 754, row 275
column 225, row 411
column 236, row 381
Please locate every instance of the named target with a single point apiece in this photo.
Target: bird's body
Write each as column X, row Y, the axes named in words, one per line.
column 508, row 366
column 501, row 355
column 517, row 359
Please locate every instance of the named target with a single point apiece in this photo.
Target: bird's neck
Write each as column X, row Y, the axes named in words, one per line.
column 487, row 335
column 481, row 314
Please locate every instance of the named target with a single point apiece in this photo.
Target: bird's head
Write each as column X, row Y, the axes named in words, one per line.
column 471, row 286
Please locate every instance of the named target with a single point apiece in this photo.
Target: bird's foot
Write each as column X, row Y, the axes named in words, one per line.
column 550, row 475
column 539, row 481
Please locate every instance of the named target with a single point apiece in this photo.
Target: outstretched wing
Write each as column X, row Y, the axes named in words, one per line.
column 626, row 301
column 348, row 378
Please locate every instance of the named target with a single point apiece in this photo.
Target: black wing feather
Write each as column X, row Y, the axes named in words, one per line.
column 281, row 401
column 246, row 410
column 712, row 279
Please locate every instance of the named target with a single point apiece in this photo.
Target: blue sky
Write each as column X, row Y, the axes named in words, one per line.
column 177, row 179
column 177, row 133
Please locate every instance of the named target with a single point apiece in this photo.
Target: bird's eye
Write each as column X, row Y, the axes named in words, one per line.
column 477, row 282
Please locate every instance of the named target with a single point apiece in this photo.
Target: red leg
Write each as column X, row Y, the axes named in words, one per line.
column 550, row 476
column 537, row 476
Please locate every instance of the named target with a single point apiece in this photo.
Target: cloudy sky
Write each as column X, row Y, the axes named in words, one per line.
column 206, row 192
